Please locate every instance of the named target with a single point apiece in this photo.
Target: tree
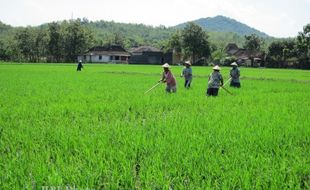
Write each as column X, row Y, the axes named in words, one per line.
column 218, row 56
column 55, row 43
column 303, row 47
column 281, row 52
column 195, row 42
column 26, row 43
column 41, row 41
column 77, row 40
column 253, row 42
column 275, row 56
column 175, row 43
column 3, row 53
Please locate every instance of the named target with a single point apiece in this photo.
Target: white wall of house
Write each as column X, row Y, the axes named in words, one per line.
column 102, row 59
column 99, row 59
column 95, row 58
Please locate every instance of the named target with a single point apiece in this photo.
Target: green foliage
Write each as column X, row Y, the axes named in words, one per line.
column 131, row 34
column 218, row 56
column 26, row 41
column 303, row 47
column 95, row 129
column 77, row 39
column 97, row 33
column 55, row 44
column 253, row 42
column 225, row 24
column 280, row 52
column 293, row 53
column 195, row 42
column 175, row 42
column 63, row 41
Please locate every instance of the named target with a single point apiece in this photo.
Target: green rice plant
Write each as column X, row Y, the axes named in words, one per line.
column 97, row 129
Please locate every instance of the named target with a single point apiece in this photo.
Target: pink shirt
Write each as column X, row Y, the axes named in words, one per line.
column 169, row 78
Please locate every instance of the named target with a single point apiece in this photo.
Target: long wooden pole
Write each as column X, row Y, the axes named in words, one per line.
column 152, row 88
column 226, row 90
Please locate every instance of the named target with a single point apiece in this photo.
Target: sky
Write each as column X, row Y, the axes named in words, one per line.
column 278, row 18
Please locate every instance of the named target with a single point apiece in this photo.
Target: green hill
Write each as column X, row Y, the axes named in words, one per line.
column 225, row 24
column 221, row 30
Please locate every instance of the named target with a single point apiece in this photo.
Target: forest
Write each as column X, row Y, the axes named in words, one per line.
column 62, row 41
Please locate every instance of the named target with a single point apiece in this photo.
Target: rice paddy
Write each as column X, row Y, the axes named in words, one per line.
column 96, row 129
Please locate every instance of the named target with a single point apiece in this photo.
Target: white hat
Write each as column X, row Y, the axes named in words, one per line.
column 188, row 62
column 80, row 61
column 216, row 67
column 234, row 64
column 166, row 65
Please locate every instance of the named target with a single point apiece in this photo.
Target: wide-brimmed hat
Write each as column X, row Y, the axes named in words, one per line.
column 166, row 65
column 188, row 63
column 216, row 67
column 234, row 64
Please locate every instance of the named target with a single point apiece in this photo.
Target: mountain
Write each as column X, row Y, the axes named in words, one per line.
column 221, row 31
column 225, row 24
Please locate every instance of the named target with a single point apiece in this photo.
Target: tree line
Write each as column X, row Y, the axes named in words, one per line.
column 290, row 53
column 63, row 41
column 54, row 42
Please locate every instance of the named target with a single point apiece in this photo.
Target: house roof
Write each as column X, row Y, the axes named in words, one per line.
column 142, row 49
column 232, row 46
column 113, row 50
column 232, row 49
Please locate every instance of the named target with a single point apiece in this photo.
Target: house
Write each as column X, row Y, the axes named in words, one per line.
column 106, row 54
column 149, row 55
column 245, row 57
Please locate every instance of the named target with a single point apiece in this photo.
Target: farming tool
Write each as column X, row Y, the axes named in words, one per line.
column 152, row 87
column 227, row 81
column 227, row 90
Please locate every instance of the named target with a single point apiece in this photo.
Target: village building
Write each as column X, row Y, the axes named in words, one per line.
column 245, row 57
column 106, row 54
column 149, row 55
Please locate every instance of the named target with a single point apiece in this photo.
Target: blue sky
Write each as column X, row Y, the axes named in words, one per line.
column 279, row 18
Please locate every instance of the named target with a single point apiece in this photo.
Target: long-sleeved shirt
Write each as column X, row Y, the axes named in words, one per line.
column 169, row 78
column 235, row 74
column 215, row 80
column 187, row 73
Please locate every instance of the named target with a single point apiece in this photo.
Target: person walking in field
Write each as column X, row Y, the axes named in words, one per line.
column 187, row 74
column 168, row 78
column 215, row 81
column 79, row 66
column 235, row 74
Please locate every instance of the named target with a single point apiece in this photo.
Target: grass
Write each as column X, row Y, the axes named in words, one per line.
column 96, row 129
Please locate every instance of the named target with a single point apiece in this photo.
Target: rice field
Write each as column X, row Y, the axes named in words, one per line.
column 96, row 129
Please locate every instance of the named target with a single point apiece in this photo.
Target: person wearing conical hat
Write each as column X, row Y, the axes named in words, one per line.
column 235, row 74
column 79, row 66
column 215, row 81
column 187, row 74
column 169, row 79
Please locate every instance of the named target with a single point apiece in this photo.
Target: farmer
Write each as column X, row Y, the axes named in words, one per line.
column 169, row 79
column 79, row 66
column 215, row 81
column 235, row 74
column 187, row 74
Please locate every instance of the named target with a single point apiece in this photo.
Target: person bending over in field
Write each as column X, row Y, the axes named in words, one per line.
column 235, row 74
column 79, row 66
column 187, row 74
column 169, row 79
column 215, row 81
